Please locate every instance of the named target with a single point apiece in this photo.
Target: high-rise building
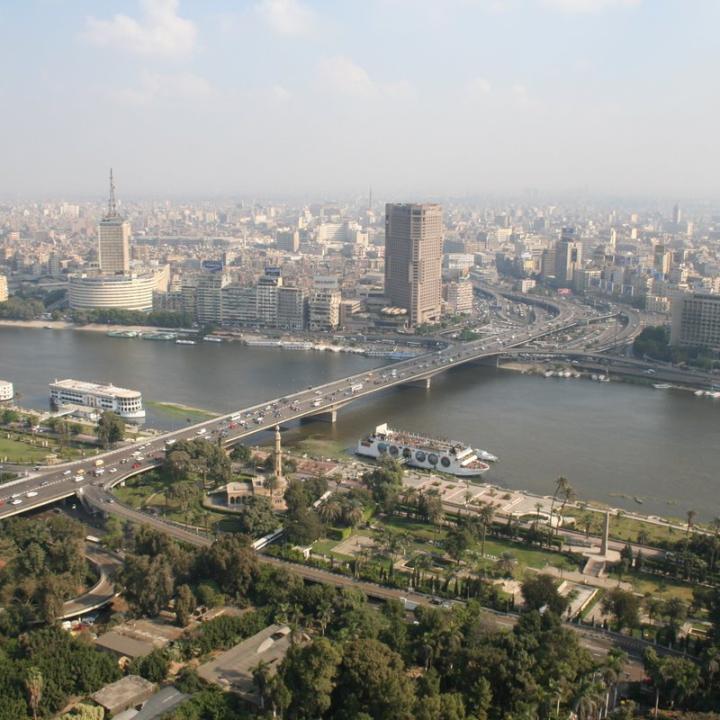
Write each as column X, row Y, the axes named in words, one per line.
column 324, row 309
column 696, row 321
column 677, row 215
column 113, row 239
column 568, row 257
column 288, row 240
column 208, row 297
column 3, row 288
column 413, row 259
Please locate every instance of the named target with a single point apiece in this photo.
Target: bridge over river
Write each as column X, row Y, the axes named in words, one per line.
column 61, row 481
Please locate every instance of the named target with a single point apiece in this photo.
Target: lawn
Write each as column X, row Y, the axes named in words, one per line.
column 527, row 556
column 20, row 452
column 626, row 528
column 181, row 412
column 662, row 588
column 320, row 447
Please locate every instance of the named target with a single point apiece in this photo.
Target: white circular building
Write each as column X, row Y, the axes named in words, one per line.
column 123, row 292
column 7, row 392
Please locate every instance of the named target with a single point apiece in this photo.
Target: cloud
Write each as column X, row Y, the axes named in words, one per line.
column 476, row 89
column 345, row 77
column 286, row 17
column 186, row 87
column 280, row 94
column 588, row 6
column 160, row 31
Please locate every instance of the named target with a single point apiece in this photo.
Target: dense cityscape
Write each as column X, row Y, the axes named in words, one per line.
column 354, row 454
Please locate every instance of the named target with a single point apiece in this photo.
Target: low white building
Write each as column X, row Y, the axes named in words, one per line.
column 7, row 392
column 124, row 402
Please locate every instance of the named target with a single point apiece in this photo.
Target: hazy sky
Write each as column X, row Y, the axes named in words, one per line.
column 416, row 97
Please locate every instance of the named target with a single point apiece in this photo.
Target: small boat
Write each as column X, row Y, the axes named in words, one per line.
column 485, row 455
column 184, row 342
column 212, row 338
column 699, row 393
column 638, row 500
column 662, row 386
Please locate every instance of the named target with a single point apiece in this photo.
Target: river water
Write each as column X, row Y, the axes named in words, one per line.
column 613, row 441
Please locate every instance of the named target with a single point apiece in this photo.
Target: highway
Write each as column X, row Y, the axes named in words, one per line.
column 62, row 481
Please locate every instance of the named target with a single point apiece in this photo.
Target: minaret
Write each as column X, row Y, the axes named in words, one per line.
column 278, row 454
column 606, row 534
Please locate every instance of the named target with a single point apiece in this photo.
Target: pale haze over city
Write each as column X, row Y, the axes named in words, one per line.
column 359, row 360
column 442, row 97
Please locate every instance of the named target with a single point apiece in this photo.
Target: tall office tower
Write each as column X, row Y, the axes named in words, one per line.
column 677, row 215
column 413, row 259
column 288, row 240
column 568, row 257
column 113, row 239
column 3, row 288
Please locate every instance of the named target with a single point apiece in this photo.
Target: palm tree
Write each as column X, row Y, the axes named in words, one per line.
column 560, row 486
column 568, row 496
column 261, row 679
column 34, row 683
column 691, row 515
column 330, row 511
column 538, row 508
column 485, row 516
column 271, row 483
column 587, row 521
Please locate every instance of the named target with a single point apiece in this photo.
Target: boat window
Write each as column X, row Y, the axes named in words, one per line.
column 394, row 450
column 382, row 448
column 420, row 456
column 407, row 452
column 433, row 459
column 445, row 461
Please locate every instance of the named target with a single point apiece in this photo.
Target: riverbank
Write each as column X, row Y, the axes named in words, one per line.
column 65, row 325
column 179, row 410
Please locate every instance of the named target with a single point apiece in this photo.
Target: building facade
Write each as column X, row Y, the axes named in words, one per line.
column 696, row 321
column 113, row 239
column 3, row 289
column 568, row 257
column 122, row 292
column 413, row 260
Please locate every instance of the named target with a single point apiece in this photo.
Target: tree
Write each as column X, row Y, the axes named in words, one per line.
column 185, row 604
column 304, row 528
column 309, row 673
column 330, row 511
column 372, row 680
column 34, row 683
column 241, row 453
column 561, row 484
column 691, row 515
column 147, row 583
column 296, row 497
column 458, row 541
column 624, row 607
column 110, row 429
column 257, row 517
column 231, row 563
column 485, row 517
column 540, row 591
column 153, row 667
column 385, row 482
column 675, row 679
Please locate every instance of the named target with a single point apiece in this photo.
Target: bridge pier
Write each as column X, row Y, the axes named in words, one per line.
column 421, row 383
column 329, row 416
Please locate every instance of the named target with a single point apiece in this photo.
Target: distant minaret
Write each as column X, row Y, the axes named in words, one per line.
column 278, row 454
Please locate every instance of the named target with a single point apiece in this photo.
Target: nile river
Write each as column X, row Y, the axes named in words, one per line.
column 612, row 441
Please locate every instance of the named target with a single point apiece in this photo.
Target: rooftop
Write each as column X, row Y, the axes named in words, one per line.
column 126, row 692
column 232, row 670
column 95, row 388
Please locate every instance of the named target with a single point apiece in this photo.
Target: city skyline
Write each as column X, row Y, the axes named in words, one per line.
column 276, row 97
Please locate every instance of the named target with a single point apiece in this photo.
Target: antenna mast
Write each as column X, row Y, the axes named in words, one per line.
column 112, row 205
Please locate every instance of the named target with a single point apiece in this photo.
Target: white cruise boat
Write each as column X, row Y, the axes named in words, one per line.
column 446, row 456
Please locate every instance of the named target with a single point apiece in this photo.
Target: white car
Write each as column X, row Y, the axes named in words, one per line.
column 112, row 470
column 32, row 493
column 17, row 501
column 67, row 472
column 78, row 478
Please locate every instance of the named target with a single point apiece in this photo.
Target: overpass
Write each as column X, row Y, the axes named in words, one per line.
column 62, row 481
